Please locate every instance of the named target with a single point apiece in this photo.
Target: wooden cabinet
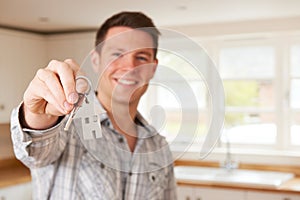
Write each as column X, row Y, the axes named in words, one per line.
column 203, row 193
column 185, row 193
column 251, row 195
column 21, row 191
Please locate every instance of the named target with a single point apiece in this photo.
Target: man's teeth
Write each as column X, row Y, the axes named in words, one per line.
column 126, row 82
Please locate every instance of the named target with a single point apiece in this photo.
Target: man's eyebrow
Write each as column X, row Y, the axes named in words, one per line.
column 114, row 49
column 138, row 51
column 145, row 52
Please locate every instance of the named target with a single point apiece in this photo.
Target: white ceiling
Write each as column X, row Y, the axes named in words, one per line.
column 64, row 15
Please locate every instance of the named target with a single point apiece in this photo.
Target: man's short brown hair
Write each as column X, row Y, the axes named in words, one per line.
column 135, row 20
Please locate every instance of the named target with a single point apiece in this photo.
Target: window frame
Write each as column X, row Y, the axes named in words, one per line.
column 252, row 42
column 294, row 41
column 282, row 151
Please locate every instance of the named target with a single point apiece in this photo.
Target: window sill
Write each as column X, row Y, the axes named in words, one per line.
column 249, row 159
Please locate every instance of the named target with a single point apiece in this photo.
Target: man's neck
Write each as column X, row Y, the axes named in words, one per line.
column 123, row 117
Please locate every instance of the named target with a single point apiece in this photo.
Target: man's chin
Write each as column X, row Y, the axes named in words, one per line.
column 125, row 99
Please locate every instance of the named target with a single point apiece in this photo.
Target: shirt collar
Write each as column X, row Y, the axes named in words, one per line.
column 143, row 128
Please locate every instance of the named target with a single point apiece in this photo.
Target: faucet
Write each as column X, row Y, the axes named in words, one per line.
column 228, row 163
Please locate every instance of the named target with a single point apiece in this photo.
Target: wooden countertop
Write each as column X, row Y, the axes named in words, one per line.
column 13, row 172
column 291, row 186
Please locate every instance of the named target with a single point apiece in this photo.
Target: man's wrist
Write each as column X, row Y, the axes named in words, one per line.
column 31, row 120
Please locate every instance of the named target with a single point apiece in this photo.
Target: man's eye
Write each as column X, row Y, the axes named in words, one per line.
column 116, row 54
column 142, row 58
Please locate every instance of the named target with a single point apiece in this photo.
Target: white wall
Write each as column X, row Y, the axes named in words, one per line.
column 75, row 46
column 21, row 54
column 240, row 27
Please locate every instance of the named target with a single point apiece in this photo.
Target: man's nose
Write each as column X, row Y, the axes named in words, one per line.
column 128, row 61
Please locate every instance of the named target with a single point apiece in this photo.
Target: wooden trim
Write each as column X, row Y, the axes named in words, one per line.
column 280, row 168
column 49, row 32
column 8, row 163
column 283, row 189
column 291, row 186
column 13, row 172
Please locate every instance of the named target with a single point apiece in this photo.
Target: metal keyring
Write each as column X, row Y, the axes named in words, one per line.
column 82, row 96
column 88, row 83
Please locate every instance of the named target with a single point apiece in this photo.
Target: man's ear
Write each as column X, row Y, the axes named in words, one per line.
column 95, row 59
column 155, row 63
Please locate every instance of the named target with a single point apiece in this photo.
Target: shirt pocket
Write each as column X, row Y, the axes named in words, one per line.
column 98, row 181
column 157, row 182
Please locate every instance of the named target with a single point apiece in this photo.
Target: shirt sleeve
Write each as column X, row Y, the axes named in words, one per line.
column 36, row 148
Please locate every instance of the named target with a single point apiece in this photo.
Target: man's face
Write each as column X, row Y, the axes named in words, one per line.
column 127, row 64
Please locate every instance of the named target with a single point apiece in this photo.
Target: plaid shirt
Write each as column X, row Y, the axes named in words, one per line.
column 63, row 166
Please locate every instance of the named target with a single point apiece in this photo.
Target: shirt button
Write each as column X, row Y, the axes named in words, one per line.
column 152, row 177
column 130, row 173
column 102, row 166
column 121, row 140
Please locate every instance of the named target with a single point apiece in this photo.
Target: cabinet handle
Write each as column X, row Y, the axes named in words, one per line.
column 286, row 198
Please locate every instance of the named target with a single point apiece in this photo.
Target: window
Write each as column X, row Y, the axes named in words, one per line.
column 167, row 103
column 295, row 95
column 261, row 79
column 248, row 73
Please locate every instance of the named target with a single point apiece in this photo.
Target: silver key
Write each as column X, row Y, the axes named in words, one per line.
column 83, row 88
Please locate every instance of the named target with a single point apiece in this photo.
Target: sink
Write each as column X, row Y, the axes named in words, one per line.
column 240, row 177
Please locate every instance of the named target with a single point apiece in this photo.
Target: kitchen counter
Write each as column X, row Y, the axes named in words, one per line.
column 289, row 186
column 13, row 172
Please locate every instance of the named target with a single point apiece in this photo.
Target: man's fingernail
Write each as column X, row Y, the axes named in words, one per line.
column 67, row 106
column 73, row 97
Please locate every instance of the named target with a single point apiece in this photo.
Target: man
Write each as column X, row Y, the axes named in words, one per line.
column 133, row 161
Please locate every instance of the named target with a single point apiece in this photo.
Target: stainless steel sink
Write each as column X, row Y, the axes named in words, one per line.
column 251, row 178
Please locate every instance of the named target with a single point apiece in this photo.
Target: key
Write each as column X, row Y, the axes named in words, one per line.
column 77, row 105
column 82, row 84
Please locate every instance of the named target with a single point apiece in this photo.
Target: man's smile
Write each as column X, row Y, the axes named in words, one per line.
column 127, row 81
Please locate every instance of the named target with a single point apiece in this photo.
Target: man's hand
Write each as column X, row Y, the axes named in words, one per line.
column 50, row 94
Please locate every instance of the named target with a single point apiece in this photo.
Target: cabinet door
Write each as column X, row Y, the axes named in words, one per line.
column 185, row 193
column 202, row 193
column 21, row 191
column 271, row 196
column 219, row 194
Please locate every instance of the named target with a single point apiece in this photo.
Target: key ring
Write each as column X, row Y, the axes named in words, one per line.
column 82, row 96
column 87, row 82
